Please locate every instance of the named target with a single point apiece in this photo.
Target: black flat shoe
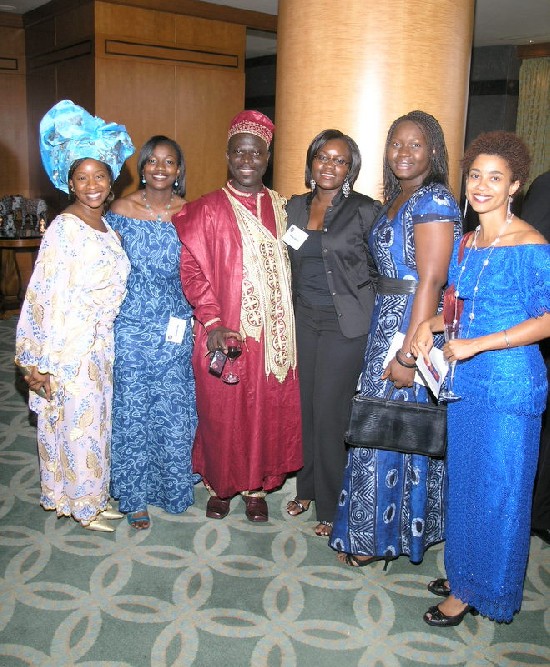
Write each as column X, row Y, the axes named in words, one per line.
column 439, row 619
column 439, row 587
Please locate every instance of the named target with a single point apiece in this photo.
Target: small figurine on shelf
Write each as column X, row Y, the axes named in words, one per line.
column 42, row 225
column 9, row 226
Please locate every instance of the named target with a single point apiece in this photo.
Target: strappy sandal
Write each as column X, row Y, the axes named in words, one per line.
column 354, row 561
column 133, row 519
column 295, row 507
column 323, row 529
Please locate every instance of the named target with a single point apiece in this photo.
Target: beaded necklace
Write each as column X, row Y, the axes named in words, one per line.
column 150, row 210
column 484, row 264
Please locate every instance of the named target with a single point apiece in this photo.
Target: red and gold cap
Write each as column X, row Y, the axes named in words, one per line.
column 252, row 122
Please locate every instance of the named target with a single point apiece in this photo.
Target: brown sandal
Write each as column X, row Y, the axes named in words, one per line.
column 295, row 507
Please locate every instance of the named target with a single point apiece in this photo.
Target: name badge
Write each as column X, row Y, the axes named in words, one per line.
column 294, row 237
column 175, row 330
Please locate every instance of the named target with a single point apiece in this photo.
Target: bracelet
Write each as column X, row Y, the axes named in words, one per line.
column 505, row 332
column 403, row 363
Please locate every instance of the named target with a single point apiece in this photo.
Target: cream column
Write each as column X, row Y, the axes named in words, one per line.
column 357, row 65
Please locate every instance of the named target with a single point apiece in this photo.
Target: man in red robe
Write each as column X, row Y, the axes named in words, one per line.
column 235, row 273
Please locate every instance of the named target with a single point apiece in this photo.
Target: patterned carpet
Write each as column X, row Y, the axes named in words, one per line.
column 193, row 591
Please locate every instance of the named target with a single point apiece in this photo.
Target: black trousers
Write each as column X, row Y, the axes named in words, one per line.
column 540, row 518
column 329, row 365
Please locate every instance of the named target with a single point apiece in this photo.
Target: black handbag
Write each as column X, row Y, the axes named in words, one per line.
column 408, row 427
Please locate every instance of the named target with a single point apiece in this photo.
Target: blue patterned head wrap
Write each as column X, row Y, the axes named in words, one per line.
column 68, row 133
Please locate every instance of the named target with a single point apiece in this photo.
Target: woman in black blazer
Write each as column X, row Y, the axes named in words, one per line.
column 332, row 279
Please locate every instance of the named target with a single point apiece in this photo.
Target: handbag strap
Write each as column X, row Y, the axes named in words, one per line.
column 452, row 307
column 462, row 245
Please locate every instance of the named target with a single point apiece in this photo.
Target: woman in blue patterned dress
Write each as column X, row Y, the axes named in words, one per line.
column 503, row 281
column 154, row 417
column 392, row 503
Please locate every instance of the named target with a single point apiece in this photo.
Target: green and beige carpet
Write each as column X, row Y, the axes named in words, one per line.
column 192, row 591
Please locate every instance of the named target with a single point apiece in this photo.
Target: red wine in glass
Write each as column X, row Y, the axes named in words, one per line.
column 234, row 351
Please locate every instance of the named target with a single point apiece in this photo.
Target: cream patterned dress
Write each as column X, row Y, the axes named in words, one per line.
column 66, row 329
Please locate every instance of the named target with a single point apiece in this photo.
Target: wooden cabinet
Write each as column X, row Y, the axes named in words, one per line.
column 17, row 258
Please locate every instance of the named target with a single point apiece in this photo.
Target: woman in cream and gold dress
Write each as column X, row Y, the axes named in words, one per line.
column 65, row 332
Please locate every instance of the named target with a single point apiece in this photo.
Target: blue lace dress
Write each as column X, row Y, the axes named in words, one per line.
column 154, row 416
column 392, row 503
column 494, row 430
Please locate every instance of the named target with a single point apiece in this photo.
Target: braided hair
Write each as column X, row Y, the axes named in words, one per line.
column 439, row 160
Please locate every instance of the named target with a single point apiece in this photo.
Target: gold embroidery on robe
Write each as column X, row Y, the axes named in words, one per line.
column 266, row 304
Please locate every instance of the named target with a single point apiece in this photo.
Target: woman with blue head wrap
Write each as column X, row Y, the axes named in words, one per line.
column 64, row 338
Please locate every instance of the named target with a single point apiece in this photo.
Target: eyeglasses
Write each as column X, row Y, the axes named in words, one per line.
column 336, row 161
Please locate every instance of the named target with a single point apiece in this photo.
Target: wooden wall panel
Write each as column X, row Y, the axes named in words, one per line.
column 14, row 176
column 139, row 95
column 224, row 37
column 155, row 83
column 206, row 101
column 41, row 85
column 75, row 25
column 60, row 65
column 144, row 68
column 135, row 24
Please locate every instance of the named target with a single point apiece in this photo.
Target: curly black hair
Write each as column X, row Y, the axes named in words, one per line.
column 506, row 145
column 320, row 140
column 439, row 167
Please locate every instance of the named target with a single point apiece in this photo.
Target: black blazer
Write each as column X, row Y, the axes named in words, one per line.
column 349, row 267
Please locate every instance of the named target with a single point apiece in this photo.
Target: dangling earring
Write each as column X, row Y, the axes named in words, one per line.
column 176, row 183
column 143, row 180
column 509, row 211
column 312, row 184
column 346, row 187
column 465, row 208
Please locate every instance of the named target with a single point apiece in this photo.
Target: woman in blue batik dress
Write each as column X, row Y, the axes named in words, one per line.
column 392, row 503
column 503, row 282
column 154, row 416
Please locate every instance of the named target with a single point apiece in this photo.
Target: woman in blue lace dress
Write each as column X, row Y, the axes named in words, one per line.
column 392, row 503
column 503, row 281
column 154, row 417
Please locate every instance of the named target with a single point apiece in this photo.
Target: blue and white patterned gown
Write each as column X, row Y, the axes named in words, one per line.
column 154, row 415
column 392, row 503
column 494, row 430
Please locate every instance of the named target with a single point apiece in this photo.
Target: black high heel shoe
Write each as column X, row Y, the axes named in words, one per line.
column 353, row 561
column 441, row 620
column 440, row 587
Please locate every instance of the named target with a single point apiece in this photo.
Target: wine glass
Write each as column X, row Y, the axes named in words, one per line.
column 451, row 332
column 234, row 351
